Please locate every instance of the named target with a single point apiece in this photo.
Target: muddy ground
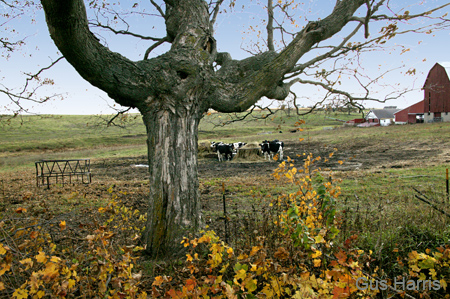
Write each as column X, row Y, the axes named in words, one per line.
column 354, row 156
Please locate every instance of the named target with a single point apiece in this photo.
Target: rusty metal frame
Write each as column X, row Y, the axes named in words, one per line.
column 59, row 169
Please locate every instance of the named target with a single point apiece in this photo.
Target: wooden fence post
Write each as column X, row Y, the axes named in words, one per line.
column 225, row 216
column 446, row 178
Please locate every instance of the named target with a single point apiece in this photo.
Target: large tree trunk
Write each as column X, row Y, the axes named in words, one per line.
column 174, row 209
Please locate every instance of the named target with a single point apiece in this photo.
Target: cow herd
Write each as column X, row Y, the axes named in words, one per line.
column 228, row 150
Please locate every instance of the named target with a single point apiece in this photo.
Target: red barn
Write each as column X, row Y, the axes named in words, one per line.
column 437, row 93
column 411, row 115
column 436, row 102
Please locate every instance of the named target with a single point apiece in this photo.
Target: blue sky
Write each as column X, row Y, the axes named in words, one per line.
column 231, row 34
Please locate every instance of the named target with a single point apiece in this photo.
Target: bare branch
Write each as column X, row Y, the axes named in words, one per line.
column 151, row 48
column 158, row 8
column 119, row 113
column 298, row 69
column 270, row 25
column 407, row 16
column 36, row 76
column 124, row 32
column 216, row 12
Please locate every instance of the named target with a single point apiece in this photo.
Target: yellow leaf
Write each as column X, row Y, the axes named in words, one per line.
column 189, row 258
column 317, row 262
column 28, row 262
column 40, row 294
column 71, row 283
column 55, row 259
column 242, row 256
column 317, row 253
column 41, row 257
column 255, row 249
column 443, row 284
column 2, row 286
column 241, row 274
column 50, row 272
column 432, row 273
column 158, row 281
column 2, row 249
column 319, row 239
column 20, row 294
column 62, row 225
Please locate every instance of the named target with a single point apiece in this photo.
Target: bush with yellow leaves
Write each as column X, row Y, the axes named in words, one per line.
column 304, row 263
column 33, row 265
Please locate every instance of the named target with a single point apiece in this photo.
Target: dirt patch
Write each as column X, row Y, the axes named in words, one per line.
column 354, row 156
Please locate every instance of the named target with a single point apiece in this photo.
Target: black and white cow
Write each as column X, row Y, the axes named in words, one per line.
column 223, row 149
column 237, row 146
column 270, row 148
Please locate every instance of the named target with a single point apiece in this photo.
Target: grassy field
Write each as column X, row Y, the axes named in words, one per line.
column 27, row 139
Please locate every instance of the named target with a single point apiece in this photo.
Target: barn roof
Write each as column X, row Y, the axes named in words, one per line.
column 446, row 66
column 384, row 113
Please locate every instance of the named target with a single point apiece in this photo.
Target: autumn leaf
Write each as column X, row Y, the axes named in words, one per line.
column 317, row 253
column 341, row 256
column 62, row 225
column 281, row 253
column 254, row 250
column 50, row 272
column 20, row 294
column 2, row 249
column 251, row 285
column 317, row 262
column 241, row 274
column 34, row 234
column 41, row 257
column 28, row 262
column 21, row 210
column 443, row 284
column 189, row 257
column 190, row 284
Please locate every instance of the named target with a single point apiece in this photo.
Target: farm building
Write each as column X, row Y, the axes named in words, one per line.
column 383, row 117
column 410, row 115
column 435, row 105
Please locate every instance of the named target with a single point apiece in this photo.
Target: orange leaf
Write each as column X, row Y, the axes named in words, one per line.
column 341, row 256
column 62, row 225
column 21, row 210
column 34, row 234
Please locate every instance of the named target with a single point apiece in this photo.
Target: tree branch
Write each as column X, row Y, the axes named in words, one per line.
column 155, row 45
column 125, row 81
column 124, row 32
column 240, row 84
column 158, row 8
column 216, row 12
column 270, row 25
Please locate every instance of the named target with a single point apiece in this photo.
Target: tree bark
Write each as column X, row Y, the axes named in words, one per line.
column 174, row 209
